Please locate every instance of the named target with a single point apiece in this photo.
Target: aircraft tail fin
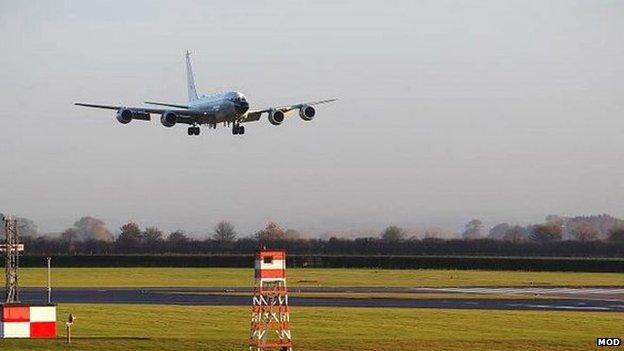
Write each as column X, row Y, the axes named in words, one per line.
column 190, row 80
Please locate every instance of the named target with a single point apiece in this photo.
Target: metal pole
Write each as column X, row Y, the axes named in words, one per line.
column 68, row 327
column 49, row 281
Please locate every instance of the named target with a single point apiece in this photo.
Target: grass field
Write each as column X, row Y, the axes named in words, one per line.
column 197, row 277
column 132, row 327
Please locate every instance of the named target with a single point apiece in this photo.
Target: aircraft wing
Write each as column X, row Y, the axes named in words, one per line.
column 183, row 115
column 254, row 115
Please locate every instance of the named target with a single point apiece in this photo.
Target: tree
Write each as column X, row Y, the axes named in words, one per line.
column 393, row 234
column 70, row 235
column 433, row 233
column 271, row 232
column 473, row 229
column 498, row 231
column 25, row 227
column 603, row 224
column 69, row 238
column 617, row 235
column 179, row 236
column 543, row 233
column 177, row 240
column 292, row 234
column 555, row 219
column 515, row 234
column 584, row 232
column 130, row 238
column 224, row 232
column 153, row 237
column 90, row 228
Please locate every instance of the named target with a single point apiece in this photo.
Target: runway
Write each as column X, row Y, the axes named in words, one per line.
column 572, row 299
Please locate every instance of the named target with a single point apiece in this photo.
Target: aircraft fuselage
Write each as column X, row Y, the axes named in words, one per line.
column 221, row 107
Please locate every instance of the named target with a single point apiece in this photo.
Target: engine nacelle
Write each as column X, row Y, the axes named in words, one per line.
column 125, row 115
column 168, row 119
column 276, row 117
column 307, row 112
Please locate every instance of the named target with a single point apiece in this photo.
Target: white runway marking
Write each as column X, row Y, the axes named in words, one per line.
column 564, row 307
column 552, row 291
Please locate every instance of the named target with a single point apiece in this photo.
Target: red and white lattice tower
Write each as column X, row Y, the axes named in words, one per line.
column 270, row 314
column 19, row 320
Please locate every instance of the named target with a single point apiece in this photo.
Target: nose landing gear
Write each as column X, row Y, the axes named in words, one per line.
column 193, row 131
column 237, row 129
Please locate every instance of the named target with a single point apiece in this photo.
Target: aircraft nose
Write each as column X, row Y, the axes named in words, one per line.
column 242, row 106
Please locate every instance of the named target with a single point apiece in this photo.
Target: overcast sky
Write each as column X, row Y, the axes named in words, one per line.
column 449, row 110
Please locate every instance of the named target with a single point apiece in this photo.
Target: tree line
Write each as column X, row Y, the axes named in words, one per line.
column 90, row 236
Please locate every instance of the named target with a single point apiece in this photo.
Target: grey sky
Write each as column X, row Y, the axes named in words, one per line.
column 500, row 110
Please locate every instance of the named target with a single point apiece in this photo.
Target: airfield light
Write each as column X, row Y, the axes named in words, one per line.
column 70, row 321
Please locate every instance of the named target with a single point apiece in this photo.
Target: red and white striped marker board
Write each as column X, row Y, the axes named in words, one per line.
column 28, row 321
column 270, row 264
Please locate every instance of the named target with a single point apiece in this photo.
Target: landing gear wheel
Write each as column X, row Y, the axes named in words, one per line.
column 196, row 130
column 234, row 130
column 190, row 131
column 241, row 130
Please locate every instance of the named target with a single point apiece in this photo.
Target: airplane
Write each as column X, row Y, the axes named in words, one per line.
column 227, row 108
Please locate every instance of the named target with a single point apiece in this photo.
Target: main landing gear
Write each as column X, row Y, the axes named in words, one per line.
column 193, row 131
column 237, row 129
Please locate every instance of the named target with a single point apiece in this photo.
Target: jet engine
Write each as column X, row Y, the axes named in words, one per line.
column 276, row 117
column 307, row 112
column 168, row 119
column 125, row 115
